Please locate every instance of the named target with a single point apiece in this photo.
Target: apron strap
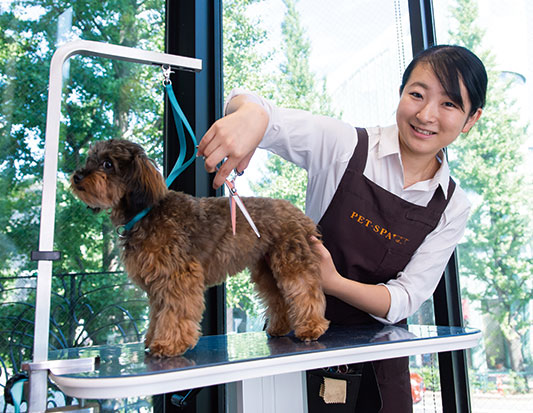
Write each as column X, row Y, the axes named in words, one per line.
column 437, row 205
column 360, row 153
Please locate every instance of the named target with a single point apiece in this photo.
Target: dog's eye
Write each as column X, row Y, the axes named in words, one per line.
column 107, row 165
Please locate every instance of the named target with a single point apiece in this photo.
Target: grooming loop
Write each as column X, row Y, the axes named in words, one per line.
column 38, row 378
column 181, row 164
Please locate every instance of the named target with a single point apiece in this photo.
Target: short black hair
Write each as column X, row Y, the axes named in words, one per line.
column 452, row 63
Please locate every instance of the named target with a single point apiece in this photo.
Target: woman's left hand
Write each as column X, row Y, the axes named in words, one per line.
column 373, row 299
column 330, row 277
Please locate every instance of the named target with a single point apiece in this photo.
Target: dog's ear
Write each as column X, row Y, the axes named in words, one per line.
column 145, row 184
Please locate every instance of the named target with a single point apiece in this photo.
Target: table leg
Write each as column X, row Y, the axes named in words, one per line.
column 271, row 394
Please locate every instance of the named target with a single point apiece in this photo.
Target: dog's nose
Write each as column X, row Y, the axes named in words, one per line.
column 77, row 177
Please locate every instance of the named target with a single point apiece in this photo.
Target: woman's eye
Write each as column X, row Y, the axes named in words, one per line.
column 416, row 95
column 107, row 165
column 450, row 104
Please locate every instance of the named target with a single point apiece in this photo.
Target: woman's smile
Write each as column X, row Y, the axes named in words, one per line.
column 424, row 133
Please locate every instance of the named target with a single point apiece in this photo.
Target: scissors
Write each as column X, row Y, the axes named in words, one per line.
column 235, row 200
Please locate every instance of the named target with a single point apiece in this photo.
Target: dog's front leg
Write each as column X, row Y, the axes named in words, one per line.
column 177, row 308
column 149, row 336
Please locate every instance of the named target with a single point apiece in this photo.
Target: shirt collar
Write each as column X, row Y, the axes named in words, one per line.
column 442, row 176
column 389, row 144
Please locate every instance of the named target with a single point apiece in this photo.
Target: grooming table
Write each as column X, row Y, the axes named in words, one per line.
column 267, row 374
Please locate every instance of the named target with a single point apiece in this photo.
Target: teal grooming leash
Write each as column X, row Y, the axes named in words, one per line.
column 180, row 166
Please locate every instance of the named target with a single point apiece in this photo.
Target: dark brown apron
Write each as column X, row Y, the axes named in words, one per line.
column 372, row 234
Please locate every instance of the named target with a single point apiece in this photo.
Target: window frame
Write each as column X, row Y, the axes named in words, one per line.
column 453, row 369
column 194, row 28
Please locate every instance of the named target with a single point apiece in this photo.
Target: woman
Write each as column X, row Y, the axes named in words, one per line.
column 383, row 198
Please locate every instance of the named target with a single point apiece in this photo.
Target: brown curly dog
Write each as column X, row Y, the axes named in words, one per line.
column 185, row 245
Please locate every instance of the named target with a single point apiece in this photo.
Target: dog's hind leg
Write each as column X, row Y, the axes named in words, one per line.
column 179, row 304
column 277, row 317
column 296, row 271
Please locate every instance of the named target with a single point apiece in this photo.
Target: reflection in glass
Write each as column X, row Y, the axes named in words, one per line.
column 132, row 359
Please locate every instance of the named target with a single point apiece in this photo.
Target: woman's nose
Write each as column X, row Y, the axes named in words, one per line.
column 428, row 113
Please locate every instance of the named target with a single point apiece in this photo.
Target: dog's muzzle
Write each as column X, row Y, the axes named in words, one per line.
column 77, row 177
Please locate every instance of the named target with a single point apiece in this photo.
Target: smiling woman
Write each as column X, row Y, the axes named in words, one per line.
column 389, row 175
column 442, row 95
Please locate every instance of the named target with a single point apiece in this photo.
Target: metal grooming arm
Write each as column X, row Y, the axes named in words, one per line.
column 45, row 255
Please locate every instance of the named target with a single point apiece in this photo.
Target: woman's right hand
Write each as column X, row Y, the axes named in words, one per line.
column 235, row 137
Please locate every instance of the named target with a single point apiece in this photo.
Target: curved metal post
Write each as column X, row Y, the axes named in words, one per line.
column 38, row 379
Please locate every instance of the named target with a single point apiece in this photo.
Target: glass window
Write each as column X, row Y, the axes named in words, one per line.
column 493, row 164
column 344, row 60
column 92, row 302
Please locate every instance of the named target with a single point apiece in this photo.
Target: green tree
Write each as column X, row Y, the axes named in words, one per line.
column 298, row 89
column 244, row 56
column 488, row 162
column 103, row 99
column 294, row 85
column 244, row 66
column 297, row 85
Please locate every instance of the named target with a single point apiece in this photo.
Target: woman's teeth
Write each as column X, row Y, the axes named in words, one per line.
column 422, row 131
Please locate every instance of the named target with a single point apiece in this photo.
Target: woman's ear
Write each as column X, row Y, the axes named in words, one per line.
column 472, row 120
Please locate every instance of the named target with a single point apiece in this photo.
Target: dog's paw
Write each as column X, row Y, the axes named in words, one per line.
column 312, row 330
column 278, row 326
column 277, row 332
column 160, row 348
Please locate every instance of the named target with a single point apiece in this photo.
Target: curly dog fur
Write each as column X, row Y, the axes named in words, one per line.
column 185, row 245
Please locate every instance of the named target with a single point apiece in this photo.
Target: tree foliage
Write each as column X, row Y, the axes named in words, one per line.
column 102, row 99
column 292, row 85
column 244, row 55
column 488, row 162
column 298, row 88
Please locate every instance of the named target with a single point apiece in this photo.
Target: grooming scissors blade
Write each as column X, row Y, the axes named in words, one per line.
column 235, row 200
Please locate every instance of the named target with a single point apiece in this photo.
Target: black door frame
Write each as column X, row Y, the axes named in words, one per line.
column 194, row 29
column 447, row 297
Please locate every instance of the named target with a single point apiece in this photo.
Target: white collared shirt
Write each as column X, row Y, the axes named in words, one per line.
column 323, row 146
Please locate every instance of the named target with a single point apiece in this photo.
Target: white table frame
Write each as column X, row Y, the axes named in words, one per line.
column 272, row 385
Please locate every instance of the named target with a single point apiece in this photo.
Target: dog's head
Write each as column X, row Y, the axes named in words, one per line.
column 118, row 175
